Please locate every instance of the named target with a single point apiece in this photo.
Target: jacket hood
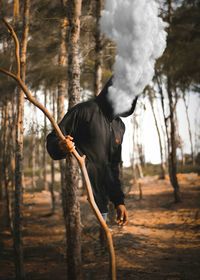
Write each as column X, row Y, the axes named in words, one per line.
column 106, row 105
column 103, row 101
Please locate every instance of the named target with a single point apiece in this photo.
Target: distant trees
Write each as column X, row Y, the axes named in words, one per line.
column 176, row 72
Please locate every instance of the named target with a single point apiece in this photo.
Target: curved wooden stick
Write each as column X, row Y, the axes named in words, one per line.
column 80, row 159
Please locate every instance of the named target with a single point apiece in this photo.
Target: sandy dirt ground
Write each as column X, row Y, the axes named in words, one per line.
column 161, row 241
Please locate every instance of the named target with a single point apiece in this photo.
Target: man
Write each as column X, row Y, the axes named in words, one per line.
column 97, row 133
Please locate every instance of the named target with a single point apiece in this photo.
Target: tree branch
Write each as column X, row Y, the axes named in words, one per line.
column 80, row 159
column 17, row 54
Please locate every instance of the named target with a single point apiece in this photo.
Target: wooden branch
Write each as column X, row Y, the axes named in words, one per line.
column 80, row 159
column 17, row 48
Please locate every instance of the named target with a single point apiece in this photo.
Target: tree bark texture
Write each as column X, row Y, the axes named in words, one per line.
column 62, row 62
column 72, row 219
column 172, row 157
column 72, row 208
column 98, row 50
column 17, row 226
column 1, row 154
column 16, row 9
column 33, row 152
column 172, row 153
column 62, row 92
column 52, row 183
column 44, row 155
column 5, row 161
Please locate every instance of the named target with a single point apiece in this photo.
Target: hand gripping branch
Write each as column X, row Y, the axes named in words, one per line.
column 80, row 159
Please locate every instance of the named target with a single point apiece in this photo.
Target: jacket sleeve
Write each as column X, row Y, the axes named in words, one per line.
column 68, row 126
column 116, row 194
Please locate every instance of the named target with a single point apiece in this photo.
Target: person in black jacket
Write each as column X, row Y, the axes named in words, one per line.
column 97, row 133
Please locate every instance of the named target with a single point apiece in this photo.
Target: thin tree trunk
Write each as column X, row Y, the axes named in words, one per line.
column 172, row 154
column 33, row 153
column 172, row 158
column 12, row 143
column 9, row 161
column 52, row 184
column 164, row 113
column 140, row 161
column 5, row 164
column 44, row 155
column 62, row 92
column 189, row 130
column 98, row 50
column 72, row 218
column 1, row 155
column 151, row 97
column 178, row 139
column 171, row 137
column 16, row 9
column 17, row 226
column 33, row 149
column 3, row 151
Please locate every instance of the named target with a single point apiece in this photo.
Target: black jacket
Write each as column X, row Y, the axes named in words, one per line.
column 98, row 135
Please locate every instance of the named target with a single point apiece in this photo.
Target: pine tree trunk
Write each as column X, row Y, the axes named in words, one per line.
column 1, row 155
column 189, row 130
column 12, row 142
column 179, row 142
column 52, row 184
column 33, row 153
column 172, row 158
column 33, row 149
column 172, row 153
column 62, row 92
column 44, row 155
column 17, row 226
column 171, row 138
column 5, row 164
column 163, row 170
column 98, row 50
column 16, row 9
column 72, row 218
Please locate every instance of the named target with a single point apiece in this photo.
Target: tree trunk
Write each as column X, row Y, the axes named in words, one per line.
column 151, row 98
column 178, row 139
column 62, row 92
column 5, row 163
column 33, row 159
column 33, row 149
column 171, row 137
column 52, row 184
column 172, row 153
column 17, row 226
column 44, row 154
column 189, row 130
column 172, row 158
column 72, row 218
column 98, row 50
column 16, row 9
column 1, row 155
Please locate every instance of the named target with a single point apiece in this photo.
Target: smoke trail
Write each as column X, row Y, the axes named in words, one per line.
column 138, row 31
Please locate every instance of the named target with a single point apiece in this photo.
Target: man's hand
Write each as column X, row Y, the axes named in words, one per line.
column 122, row 215
column 67, row 145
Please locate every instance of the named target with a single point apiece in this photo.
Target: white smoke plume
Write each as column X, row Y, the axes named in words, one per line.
column 140, row 36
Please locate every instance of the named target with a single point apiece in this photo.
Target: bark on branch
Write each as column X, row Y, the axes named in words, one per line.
column 80, row 159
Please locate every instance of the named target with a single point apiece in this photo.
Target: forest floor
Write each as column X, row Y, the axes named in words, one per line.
column 161, row 241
